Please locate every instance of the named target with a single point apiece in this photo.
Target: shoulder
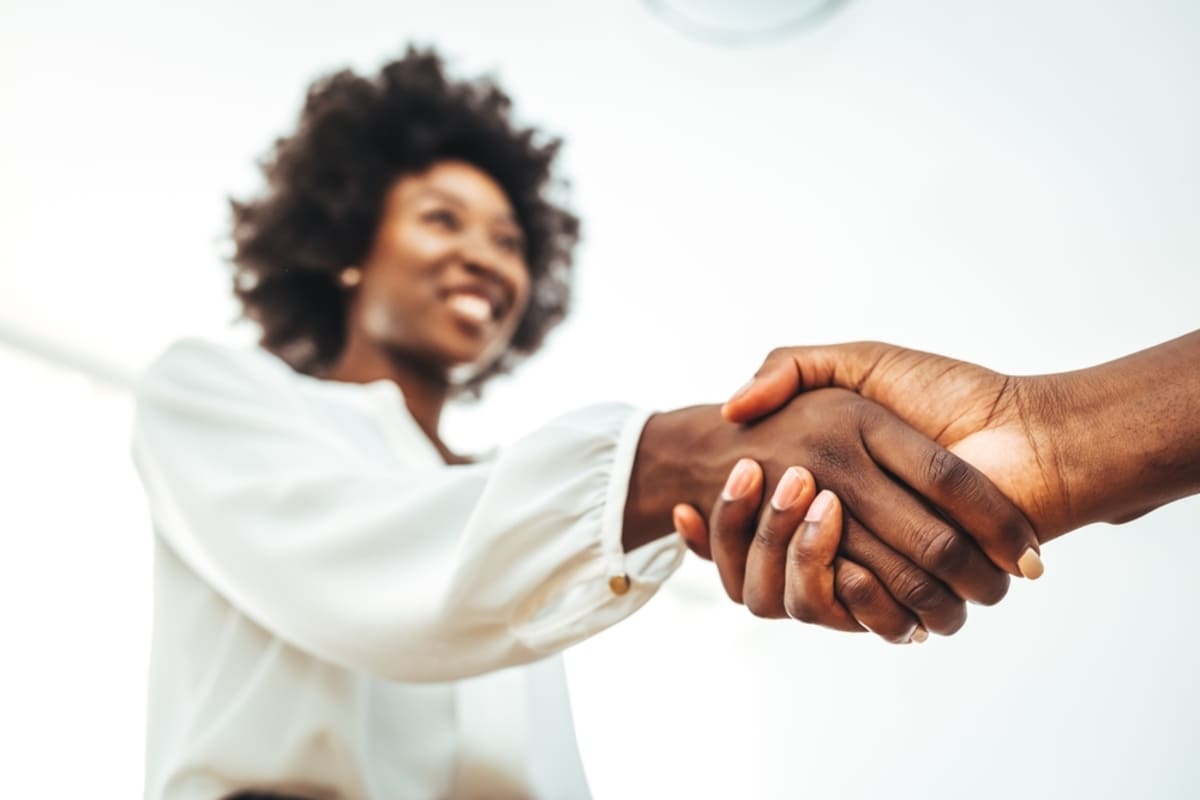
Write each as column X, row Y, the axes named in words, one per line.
column 201, row 356
column 200, row 367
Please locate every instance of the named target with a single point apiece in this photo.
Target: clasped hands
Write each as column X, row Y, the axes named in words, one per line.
column 884, row 508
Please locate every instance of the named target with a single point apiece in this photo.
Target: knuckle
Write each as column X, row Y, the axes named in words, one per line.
column 995, row 590
column 953, row 625
column 830, row 456
column 856, row 588
column 859, row 590
column 945, row 551
column 925, row 595
column 1013, row 530
column 948, row 473
column 769, row 537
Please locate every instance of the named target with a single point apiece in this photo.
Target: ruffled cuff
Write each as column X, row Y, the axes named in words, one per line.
column 608, row 583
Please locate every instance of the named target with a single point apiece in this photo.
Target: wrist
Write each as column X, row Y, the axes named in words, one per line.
column 1044, row 404
column 677, row 461
column 1080, row 425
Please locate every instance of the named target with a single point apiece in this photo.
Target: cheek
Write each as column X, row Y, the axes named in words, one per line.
column 392, row 300
column 417, row 244
column 410, row 246
column 524, row 287
column 381, row 319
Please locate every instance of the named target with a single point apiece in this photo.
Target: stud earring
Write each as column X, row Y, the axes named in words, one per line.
column 350, row 277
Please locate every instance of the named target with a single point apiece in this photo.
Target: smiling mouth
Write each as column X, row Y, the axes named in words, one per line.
column 473, row 308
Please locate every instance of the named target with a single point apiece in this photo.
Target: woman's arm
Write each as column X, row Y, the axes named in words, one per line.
column 368, row 557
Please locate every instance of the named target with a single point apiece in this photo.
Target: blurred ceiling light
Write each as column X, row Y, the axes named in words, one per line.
column 742, row 22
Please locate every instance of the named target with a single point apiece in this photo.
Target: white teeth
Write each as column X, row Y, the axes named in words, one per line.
column 471, row 306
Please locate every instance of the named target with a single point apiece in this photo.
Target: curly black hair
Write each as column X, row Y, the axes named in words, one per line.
column 325, row 189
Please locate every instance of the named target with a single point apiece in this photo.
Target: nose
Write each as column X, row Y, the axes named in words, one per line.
column 482, row 257
column 478, row 256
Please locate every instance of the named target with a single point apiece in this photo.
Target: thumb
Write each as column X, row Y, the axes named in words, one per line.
column 787, row 371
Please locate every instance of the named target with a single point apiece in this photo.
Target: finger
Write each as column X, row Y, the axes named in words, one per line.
column 964, row 495
column 885, row 505
column 694, row 530
column 926, row 540
column 938, row 608
column 809, row 594
column 766, row 562
column 789, row 370
column 863, row 594
column 731, row 524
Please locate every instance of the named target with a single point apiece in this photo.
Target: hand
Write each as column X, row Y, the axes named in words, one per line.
column 918, row 554
column 810, row 581
column 989, row 419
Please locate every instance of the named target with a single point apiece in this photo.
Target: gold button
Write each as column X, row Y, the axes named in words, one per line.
column 619, row 584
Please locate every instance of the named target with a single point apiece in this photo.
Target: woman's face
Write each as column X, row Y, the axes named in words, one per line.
column 445, row 281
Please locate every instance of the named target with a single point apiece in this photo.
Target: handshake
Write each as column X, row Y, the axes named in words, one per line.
column 879, row 488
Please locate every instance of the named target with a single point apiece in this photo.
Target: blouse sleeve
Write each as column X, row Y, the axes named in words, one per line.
column 413, row 573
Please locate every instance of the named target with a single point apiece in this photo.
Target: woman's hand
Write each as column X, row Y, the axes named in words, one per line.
column 792, row 568
column 908, row 502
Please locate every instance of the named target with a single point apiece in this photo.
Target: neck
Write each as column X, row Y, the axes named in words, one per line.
column 423, row 385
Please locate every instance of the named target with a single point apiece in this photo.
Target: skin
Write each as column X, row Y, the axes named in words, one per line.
column 916, row 559
column 1104, row 444
column 449, row 230
column 906, row 563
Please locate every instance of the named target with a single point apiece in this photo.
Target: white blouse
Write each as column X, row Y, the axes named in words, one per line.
column 339, row 614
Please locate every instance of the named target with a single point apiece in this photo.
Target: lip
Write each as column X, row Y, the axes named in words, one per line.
column 496, row 296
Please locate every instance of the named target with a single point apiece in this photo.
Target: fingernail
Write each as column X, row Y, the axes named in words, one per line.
column 787, row 492
column 1030, row 564
column 820, row 507
column 920, row 635
column 739, row 480
column 677, row 519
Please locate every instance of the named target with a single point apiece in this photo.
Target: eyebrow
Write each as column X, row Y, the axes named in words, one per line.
column 449, row 197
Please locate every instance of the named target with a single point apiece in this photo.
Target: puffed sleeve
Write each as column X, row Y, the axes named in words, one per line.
column 409, row 571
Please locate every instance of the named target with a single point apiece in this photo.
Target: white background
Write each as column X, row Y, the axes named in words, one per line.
column 1012, row 183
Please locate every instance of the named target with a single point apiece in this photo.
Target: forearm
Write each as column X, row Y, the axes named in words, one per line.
column 1126, row 433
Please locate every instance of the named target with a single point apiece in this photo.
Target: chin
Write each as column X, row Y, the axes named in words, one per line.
column 457, row 351
column 472, row 351
column 458, row 360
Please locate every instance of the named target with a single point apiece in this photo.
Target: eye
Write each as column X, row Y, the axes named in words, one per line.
column 442, row 218
column 510, row 243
